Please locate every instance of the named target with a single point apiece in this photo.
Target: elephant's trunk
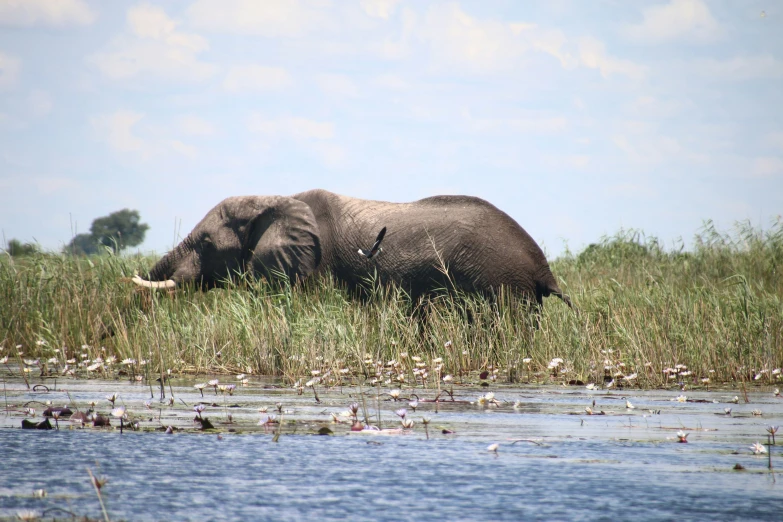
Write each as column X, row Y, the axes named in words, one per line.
column 161, row 274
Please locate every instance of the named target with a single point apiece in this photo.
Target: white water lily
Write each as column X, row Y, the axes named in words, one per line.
column 493, row 447
column 758, row 448
column 682, row 436
column 488, row 399
column 628, row 405
column 395, row 394
column 681, row 398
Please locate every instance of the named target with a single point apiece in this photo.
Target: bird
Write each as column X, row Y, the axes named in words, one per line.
column 376, row 248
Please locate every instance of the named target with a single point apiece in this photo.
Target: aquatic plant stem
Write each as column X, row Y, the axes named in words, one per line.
column 364, row 405
column 100, row 497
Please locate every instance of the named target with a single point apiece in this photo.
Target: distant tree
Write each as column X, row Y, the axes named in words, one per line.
column 119, row 230
column 16, row 248
column 82, row 245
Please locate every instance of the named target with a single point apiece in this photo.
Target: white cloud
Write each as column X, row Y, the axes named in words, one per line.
column 379, row 8
column 54, row 184
column 189, row 151
column 154, row 45
column 256, row 78
column 45, row 12
column 271, row 18
column 9, row 70
column 117, row 130
column 391, row 82
column 291, row 127
column 527, row 124
column 767, row 166
column 40, row 103
column 688, row 20
column 741, row 68
column 774, row 139
column 592, row 54
column 330, row 154
column 457, row 38
column 195, row 126
column 337, row 84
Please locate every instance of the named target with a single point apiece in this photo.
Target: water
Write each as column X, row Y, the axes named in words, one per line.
column 571, row 466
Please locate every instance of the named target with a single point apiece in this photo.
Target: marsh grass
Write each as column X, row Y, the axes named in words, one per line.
column 715, row 311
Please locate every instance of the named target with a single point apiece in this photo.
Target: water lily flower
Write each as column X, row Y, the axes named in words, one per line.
column 758, row 448
column 402, row 412
column 407, row 423
column 682, row 436
column 112, row 398
column 776, row 392
column 198, row 408
column 590, row 386
column 772, row 430
column 681, row 398
column 493, row 447
column 214, row 383
column 395, row 394
column 28, row 515
column 628, row 405
column 413, row 405
column 735, row 400
column 589, row 410
column 610, row 384
column 488, row 399
column 727, row 411
column 119, row 413
column 448, row 379
column 200, row 387
column 756, row 412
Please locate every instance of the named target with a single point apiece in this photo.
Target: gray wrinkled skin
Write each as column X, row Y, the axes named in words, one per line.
column 479, row 246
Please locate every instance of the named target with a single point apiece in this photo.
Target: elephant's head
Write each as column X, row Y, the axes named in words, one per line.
column 266, row 234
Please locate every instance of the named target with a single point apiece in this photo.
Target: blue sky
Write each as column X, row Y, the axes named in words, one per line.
column 576, row 118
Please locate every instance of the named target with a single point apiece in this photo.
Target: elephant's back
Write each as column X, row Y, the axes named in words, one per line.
column 479, row 245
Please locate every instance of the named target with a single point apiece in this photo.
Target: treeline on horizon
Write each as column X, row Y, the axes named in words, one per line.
column 648, row 316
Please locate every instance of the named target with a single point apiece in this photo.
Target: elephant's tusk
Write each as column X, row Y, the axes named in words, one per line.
column 169, row 283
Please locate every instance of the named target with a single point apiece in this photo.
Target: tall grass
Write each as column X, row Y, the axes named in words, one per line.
column 713, row 312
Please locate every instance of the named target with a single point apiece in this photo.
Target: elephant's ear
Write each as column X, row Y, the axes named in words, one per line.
column 283, row 237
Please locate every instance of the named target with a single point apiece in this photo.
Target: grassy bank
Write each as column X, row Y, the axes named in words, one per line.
column 715, row 312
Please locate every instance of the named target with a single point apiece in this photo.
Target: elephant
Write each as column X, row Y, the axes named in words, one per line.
column 459, row 243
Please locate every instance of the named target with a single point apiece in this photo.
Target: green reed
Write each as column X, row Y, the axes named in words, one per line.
column 716, row 309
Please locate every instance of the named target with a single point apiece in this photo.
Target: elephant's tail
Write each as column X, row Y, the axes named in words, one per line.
column 549, row 287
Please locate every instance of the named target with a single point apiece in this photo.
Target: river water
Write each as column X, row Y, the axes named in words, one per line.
column 553, row 460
